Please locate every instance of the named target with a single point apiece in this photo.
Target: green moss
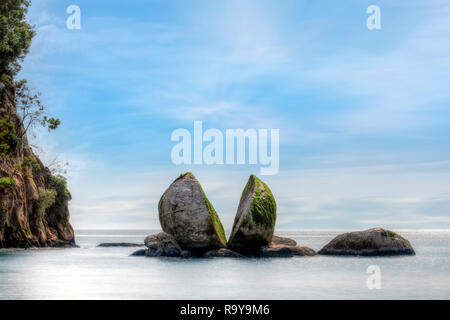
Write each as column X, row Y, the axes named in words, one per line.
column 390, row 234
column 213, row 220
column 395, row 236
column 184, row 175
column 263, row 206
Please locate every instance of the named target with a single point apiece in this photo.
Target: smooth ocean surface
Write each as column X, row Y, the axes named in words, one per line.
column 109, row 273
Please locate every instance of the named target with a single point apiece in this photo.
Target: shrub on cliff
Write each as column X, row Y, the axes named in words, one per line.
column 47, row 198
column 59, row 184
column 7, row 182
column 26, row 164
column 8, row 138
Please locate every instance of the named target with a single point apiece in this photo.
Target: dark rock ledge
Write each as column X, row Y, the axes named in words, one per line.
column 165, row 245
column 120, row 244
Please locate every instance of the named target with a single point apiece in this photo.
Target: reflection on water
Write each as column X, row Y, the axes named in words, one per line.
column 108, row 273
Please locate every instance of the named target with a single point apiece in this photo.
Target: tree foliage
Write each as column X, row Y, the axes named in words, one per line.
column 16, row 35
column 59, row 184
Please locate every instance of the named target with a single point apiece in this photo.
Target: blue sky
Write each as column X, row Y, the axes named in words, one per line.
column 363, row 115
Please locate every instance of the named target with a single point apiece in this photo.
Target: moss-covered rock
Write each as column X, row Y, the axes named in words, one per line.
column 186, row 213
column 371, row 242
column 254, row 223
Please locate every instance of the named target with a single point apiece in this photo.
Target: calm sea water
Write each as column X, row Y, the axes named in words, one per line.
column 109, row 273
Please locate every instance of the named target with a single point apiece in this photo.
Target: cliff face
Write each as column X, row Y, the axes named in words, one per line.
column 34, row 209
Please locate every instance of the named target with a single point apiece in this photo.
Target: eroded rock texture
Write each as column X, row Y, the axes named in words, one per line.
column 254, row 223
column 34, row 209
column 186, row 213
column 371, row 242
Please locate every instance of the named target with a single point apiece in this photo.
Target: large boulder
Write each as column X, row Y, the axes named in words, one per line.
column 254, row 223
column 186, row 213
column 371, row 242
column 162, row 245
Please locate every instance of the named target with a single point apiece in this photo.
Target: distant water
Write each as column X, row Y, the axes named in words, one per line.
column 109, row 273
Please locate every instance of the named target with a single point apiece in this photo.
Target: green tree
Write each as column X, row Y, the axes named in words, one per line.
column 16, row 35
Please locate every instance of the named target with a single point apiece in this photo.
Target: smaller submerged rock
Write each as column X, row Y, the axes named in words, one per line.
column 371, row 242
column 162, row 245
column 285, row 251
column 283, row 240
column 222, row 253
column 139, row 253
column 120, row 244
column 185, row 254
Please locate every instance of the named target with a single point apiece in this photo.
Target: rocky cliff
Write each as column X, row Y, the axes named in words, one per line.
column 33, row 203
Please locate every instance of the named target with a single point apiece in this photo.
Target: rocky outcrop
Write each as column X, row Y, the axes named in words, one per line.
column 371, row 242
column 192, row 227
column 186, row 213
column 254, row 223
column 33, row 203
column 162, row 245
